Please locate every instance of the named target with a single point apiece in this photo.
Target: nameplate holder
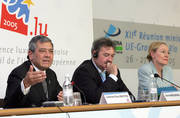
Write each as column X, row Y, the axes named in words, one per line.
column 52, row 104
column 114, row 98
column 170, row 96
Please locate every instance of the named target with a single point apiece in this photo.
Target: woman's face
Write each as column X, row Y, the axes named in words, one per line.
column 161, row 55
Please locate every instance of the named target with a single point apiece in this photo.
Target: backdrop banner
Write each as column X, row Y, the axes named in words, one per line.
column 133, row 40
column 67, row 23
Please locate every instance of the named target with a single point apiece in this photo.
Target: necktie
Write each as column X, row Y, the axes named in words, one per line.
column 44, row 84
column 103, row 76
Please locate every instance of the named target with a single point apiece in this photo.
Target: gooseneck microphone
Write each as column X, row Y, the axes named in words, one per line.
column 156, row 75
column 73, row 83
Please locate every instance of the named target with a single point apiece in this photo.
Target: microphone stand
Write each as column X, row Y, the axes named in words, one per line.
column 156, row 75
column 84, row 97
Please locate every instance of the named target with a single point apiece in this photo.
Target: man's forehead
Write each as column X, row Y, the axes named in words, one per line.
column 43, row 44
column 104, row 48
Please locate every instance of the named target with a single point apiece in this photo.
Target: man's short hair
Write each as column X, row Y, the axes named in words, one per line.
column 40, row 38
column 99, row 43
column 32, row 44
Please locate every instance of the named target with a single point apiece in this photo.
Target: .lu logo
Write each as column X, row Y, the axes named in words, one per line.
column 15, row 17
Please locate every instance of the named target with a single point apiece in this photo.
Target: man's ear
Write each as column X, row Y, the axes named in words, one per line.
column 95, row 54
column 30, row 54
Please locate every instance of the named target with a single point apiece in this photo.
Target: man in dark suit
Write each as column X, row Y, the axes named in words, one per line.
column 99, row 74
column 33, row 82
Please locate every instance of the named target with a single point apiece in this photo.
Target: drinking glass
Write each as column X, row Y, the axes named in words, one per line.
column 144, row 95
column 77, row 99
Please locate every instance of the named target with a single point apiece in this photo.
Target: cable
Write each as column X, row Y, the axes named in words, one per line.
column 67, row 114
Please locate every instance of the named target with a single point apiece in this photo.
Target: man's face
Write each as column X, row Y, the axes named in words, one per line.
column 105, row 55
column 161, row 55
column 42, row 58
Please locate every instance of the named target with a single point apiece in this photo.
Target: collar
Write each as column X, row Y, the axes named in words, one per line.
column 36, row 69
column 99, row 70
column 154, row 70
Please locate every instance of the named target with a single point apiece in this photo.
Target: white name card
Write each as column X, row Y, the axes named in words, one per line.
column 114, row 97
column 169, row 96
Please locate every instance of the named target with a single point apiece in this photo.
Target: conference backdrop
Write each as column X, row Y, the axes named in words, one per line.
column 67, row 22
column 133, row 40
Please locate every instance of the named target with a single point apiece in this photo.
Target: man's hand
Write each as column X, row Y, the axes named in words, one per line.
column 60, row 96
column 33, row 77
column 112, row 69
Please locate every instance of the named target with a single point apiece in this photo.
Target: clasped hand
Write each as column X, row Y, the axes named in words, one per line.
column 112, row 69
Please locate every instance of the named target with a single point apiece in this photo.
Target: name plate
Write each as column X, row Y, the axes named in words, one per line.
column 170, row 96
column 114, row 97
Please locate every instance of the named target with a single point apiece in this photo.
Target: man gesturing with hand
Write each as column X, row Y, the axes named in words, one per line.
column 33, row 82
column 33, row 77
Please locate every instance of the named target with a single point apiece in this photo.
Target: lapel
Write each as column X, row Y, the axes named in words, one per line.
column 37, row 90
column 95, row 73
column 107, row 74
column 40, row 90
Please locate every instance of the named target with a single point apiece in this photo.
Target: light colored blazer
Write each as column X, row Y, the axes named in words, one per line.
column 145, row 72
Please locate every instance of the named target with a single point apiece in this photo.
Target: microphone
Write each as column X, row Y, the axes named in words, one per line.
column 156, row 75
column 73, row 83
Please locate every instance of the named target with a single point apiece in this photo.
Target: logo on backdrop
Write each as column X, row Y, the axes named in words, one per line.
column 16, row 16
column 114, row 32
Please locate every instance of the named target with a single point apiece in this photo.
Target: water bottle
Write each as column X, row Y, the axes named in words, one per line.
column 68, row 98
column 153, row 89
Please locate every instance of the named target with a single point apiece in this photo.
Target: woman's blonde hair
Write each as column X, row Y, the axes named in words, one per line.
column 153, row 47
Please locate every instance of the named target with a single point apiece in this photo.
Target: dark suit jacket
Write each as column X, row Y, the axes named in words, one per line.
column 15, row 98
column 87, row 79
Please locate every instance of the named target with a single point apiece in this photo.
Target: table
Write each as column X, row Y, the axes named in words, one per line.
column 86, row 109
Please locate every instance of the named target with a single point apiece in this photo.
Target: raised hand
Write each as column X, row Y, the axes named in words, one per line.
column 33, row 77
column 112, row 69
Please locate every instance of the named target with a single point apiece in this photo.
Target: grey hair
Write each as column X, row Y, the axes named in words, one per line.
column 40, row 38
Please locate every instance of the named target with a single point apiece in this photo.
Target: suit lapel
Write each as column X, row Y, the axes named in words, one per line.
column 95, row 73
column 39, row 89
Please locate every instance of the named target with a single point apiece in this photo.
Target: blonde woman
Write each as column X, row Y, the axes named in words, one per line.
column 158, row 55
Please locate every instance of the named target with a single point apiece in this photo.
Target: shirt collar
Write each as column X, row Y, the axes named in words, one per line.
column 99, row 70
column 153, row 67
column 154, row 70
column 36, row 69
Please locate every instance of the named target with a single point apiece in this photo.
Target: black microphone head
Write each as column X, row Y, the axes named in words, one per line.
column 156, row 75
